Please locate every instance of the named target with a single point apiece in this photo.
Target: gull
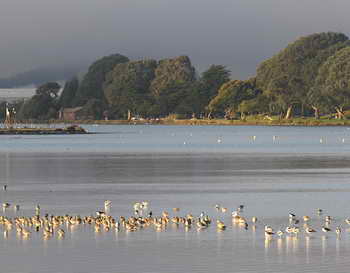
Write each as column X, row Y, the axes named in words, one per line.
column 291, row 216
column 338, row 230
column 108, row 203
column 268, row 229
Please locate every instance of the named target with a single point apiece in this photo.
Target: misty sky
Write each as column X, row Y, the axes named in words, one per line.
column 235, row 33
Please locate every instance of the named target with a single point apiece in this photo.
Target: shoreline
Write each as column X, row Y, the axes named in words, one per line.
column 307, row 122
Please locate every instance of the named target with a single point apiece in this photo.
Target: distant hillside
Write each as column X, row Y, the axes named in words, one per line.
column 41, row 75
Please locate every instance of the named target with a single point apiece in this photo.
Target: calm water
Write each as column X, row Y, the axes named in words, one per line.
column 271, row 170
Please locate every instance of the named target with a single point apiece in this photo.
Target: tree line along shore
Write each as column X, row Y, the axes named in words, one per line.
column 306, row 83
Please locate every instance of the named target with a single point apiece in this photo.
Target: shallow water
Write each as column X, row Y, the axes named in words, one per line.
column 271, row 170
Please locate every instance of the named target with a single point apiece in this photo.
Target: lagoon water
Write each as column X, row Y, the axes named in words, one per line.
column 271, row 170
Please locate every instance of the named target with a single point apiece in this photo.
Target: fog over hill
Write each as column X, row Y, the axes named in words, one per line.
column 236, row 33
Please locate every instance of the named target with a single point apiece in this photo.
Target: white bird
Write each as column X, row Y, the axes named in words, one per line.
column 338, row 230
column 108, row 203
column 280, row 233
column 268, row 229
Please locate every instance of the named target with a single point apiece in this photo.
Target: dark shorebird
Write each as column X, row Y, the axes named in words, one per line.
column 326, row 229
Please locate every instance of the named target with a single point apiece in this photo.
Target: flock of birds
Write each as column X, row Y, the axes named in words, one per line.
column 50, row 226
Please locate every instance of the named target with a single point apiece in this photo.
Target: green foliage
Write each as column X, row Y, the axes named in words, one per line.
column 40, row 107
column 309, row 75
column 50, row 89
column 92, row 83
column 177, row 98
column 3, row 110
column 173, row 86
column 171, row 72
column 127, row 87
column 207, row 87
column 69, row 91
column 92, row 109
column 288, row 76
column 43, row 105
column 333, row 81
column 258, row 105
column 231, row 95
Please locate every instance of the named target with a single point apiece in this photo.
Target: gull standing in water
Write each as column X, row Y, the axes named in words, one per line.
column 338, row 230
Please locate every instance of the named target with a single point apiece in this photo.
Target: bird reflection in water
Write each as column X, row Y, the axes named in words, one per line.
column 280, row 245
column 324, row 244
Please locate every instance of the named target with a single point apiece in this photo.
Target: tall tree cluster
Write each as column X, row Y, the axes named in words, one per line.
column 311, row 76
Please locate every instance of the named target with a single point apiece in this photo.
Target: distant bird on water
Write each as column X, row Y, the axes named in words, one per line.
column 4, row 187
column 326, row 229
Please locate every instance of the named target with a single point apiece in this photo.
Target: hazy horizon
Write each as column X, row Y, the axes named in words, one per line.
column 236, row 33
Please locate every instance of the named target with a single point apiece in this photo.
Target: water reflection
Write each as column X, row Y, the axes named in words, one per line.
column 307, row 249
column 324, row 245
column 271, row 176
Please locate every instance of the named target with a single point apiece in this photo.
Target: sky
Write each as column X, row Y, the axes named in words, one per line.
column 236, row 33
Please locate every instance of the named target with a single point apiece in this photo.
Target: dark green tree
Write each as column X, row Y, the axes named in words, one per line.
column 92, row 83
column 207, row 87
column 333, row 82
column 288, row 76
column 231, row 95
column 50, row 88
column 173, row 84
column 127, row 87
column 43, row 105
column 40, row 107
column 69, row 92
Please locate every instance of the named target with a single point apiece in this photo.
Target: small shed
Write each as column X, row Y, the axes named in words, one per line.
column 70, row 113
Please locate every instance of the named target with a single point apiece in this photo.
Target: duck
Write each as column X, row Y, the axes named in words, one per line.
column 25, row 232
column 268, row 233
column 60, row 233
column 220, row 225
column 310, row 230
column 289, row 230
column 223, row 210
column 306, row 218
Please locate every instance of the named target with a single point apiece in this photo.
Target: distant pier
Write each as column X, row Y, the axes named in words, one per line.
column 70, row 130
